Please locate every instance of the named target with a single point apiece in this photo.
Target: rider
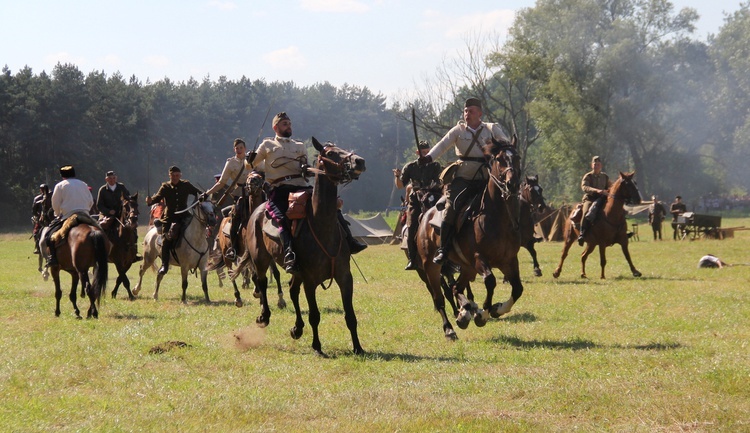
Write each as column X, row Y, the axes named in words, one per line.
column 234, row 176
column 594, row 185
column 40, row 213
column 471, row 171
column 70, row 196
column 110, row 196
column 175, row 194
column 419, row 176
column 285, row 162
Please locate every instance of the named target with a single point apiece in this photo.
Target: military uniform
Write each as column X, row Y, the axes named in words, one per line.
column 656, row 213
column 676, row 209
column 591, row 183
column 175, row 198
column 420, row 176
column 110, row 199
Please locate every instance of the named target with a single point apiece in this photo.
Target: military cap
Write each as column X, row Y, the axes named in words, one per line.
column 175, row 169
column 279, row 117
column 423, row 145
column 678, row 196
column 596, row 159
column 111, row 173
column 67, row 171
column 43, row 186
column 473, row 102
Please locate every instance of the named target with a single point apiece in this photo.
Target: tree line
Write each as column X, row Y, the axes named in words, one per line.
column 623, row 79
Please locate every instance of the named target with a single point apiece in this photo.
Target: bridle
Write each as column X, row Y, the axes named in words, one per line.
column 505, row 158
column 343, row 169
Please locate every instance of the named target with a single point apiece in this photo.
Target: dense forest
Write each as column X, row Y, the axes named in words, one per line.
column 620, row 79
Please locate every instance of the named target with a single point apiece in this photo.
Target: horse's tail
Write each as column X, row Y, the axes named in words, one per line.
column 102, row 268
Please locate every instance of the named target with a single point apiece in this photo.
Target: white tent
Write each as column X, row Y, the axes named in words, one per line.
column 372, row 230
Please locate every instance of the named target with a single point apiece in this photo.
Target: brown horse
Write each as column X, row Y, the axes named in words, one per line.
column 84, row 247
column 608, row 229
column 321, row 248
column 490, row 239
column 256, row 196
column 532, row 201
column 124, row 240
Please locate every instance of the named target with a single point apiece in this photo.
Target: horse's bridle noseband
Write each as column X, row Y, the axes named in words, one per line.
column 344, row 168
column 506, row 155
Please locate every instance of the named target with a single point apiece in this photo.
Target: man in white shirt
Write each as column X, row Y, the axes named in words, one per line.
column 70, row 196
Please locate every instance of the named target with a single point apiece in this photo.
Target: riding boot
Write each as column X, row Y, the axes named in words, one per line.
column 290, row 259
column 412, row 251
column 584, row 226
column 52, row 258
column 231, row 253
column 355, row 246
column 165, row 247
column 446, row 237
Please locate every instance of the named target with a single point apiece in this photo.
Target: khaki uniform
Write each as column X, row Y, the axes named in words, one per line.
column 589, row 184
column 283, row 158
column 231, row 169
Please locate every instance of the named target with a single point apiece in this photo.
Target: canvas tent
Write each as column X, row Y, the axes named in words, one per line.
column 372, row 231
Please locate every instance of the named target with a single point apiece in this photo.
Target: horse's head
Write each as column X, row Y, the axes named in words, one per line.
column 255, row 184
column 338, row 165
column 206, row 213
column 429, row 195
column 505, row 164
column 130, row 210
column 626, row 188
column 532, row 193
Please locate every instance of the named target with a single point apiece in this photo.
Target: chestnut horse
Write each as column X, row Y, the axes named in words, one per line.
column 608, row 229
column 84, row 247
column 125, row 243
column 256, row 196
column 321, row 248
column 532, row 201
column 491, row 239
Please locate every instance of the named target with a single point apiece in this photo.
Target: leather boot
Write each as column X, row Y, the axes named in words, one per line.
column 412, row 252
column 165, row 247
column 52, row 258
column 584, row 226
column 446, row 237
column 290, row 259
column 355, row 246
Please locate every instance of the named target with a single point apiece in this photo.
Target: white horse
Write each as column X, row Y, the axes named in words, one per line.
column 191, row 253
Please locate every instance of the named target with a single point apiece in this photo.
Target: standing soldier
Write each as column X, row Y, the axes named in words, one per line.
column 594, row 185
column 470, row 172
column 418, row 176
column 656, row 214
column 175, row 194
column 676, row 209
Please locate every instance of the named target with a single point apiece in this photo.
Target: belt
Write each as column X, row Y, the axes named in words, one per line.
column 281, row 179
column 472, row 159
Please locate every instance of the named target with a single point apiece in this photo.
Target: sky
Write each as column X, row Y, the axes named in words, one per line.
column 388, row 46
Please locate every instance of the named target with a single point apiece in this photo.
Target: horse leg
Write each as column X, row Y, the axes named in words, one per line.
column 432, row 278
column 86, row 284
column 513, row 275
column 299, row 324
column 184, row 275
column 447, row 283
column 237, row 298
column 588, row 249
column 277, row 276
column 204, row 285
column 261, row 283
column 532, row 252
column 58, row 290
column 626, row 253
column 145, row 265
column 602, row 259
column 566, row 247
column 156, row 286
column 314, row 317
column 346, row 285
column 73, row 291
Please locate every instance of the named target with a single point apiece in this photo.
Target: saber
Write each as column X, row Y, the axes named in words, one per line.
column 414, row 125
column 360, row 270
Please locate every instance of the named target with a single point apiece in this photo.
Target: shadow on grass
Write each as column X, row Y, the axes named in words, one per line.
column 572, row 344
column 120, row 316
column 519, row 318
column 654, row 346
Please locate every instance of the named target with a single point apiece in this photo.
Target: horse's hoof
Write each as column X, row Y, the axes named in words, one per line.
column 584, row 276
column 238, row 303
column 261, row 321
column 537, row 272
column 321, row 354
column 555, row 274
column 463, row 320
column 636, row 274
column 480, row 319
column 281, row 304
column 451, row 335
column 256, row 294
column 296, row 333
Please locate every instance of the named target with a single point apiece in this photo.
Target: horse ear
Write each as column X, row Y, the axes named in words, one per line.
column 317, row 145
column 514, row 140
column 134, row 196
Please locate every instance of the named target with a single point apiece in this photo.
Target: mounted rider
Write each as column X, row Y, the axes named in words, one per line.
column 285, row 162
column 469, row 175
column 418, row 176
column 109, row 201
column 234, row 176
column 594, row 185
column 71, row 196
column 175, row 195
column 41, row 213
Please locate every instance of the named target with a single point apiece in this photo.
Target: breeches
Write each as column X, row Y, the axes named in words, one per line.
column 278, row 203
column 457, row 194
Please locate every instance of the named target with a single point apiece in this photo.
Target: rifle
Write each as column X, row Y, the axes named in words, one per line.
column 255, row 146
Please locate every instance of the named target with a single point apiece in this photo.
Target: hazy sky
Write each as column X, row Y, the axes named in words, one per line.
column 388, row 46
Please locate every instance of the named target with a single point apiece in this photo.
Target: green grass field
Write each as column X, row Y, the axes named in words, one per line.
column 668, row 352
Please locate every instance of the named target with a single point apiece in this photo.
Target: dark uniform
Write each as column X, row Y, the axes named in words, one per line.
column 656, row 214
column 175, row 199
column 420, row 176
column 676, row 209
column 41, row 213
column 108, row 200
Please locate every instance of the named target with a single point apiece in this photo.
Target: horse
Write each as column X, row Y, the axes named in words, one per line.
column 85, row 246
column 256, row 195
column 320, row 246
column 532, row 201
column 608, row 229
column 491, row 239
column 124, row 240
column 190, row 253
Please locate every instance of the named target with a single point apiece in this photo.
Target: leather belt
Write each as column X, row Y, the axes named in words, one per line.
column 281, row 179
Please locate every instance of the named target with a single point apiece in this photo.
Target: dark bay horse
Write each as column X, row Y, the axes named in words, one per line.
column 321, row 248
column 256, row 196
column 491, row 239
column 532, row 201
column 608, row 229
column 190, row 254
column 84, row 247
column 124, row 238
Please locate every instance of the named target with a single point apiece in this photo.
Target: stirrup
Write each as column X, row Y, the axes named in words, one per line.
column 231, row 255
column 290, row 261
column 440, row 256
column 410, row 266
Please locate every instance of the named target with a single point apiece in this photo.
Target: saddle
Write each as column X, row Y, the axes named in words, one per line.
column 576, row 215
column 297, row 212
column 466, row 213
column 74, row 220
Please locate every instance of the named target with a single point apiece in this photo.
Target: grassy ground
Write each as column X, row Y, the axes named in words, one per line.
column 665, row 352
